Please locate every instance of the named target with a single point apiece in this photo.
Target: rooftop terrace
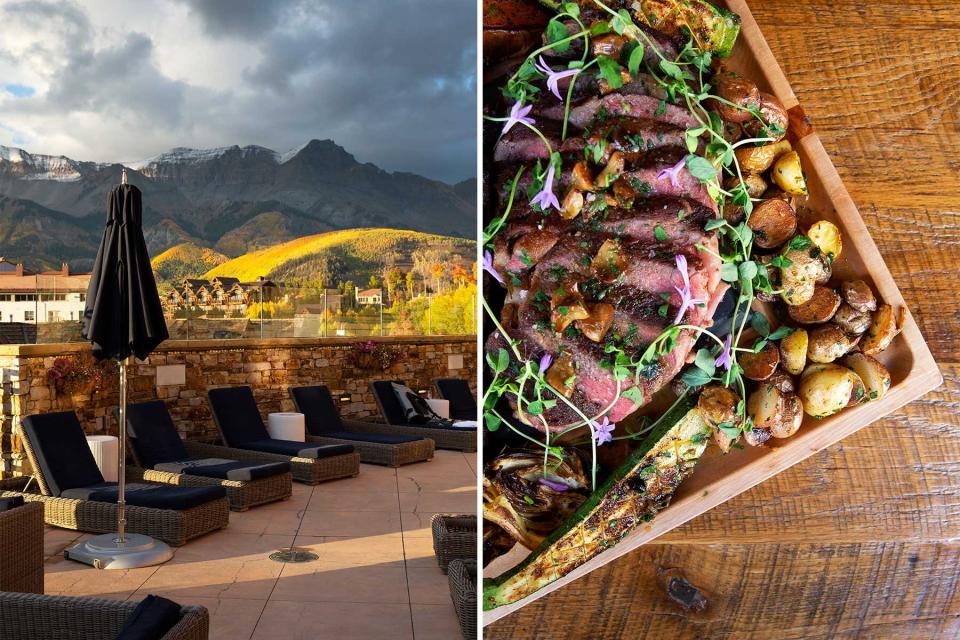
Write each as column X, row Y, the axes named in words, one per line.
column 376, row 576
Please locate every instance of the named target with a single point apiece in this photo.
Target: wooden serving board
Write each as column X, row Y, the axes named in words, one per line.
column 913, row 370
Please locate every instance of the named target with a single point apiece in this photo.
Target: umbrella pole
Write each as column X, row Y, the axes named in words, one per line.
column 122, row 457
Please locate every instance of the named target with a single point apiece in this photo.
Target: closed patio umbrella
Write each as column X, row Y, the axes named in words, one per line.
column 123, row 318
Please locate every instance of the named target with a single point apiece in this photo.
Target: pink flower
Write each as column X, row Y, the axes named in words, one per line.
column 723, row 360
column 545, row 362
column 554, row 77
column 673, row 172
column 603, row 430
column 518, row 113
column 546, row 197
column 487, row 264
column 687, row 301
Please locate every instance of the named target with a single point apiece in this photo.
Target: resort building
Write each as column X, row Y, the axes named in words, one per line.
column 221, row 294
column 369, row 296
column 46, row 296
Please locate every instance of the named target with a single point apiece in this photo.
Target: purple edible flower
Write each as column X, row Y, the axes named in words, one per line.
column 553, row 77
column 487, row 264
column 546, row 197
column 556, row 486
column 687, row 301
column 518, row 113
column 545, row 362
column 603, row 430
column 673, row 172
column 723, row 360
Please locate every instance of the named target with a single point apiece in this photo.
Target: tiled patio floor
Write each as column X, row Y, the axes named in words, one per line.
column 376, row 576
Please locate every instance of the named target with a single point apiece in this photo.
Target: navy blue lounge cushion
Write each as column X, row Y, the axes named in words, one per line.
column 225, row 469
column 236, row 413
column 61, row 451
column 363, row 436
column 149, row 495
column 6, row 504
column 318, row 409
column 463, row 406
column 389, row 405
column 153, row 435
column 151, row 620
column 298, row 449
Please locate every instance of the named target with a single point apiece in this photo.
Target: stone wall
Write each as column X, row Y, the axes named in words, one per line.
column 180, row 372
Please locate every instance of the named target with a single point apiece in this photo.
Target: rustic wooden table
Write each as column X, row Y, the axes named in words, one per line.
column 861, row 540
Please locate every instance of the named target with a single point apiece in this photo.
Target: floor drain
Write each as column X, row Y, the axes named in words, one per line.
column 293, row 554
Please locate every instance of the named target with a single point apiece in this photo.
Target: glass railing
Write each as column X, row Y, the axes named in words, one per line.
column 286, row 312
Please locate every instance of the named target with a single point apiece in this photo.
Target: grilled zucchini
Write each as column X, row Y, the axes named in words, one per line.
column 634, row 493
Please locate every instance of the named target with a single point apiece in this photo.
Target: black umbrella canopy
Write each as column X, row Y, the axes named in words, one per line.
column 123, row 315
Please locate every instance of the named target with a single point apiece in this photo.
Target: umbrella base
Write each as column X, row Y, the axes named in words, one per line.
column 104, row 552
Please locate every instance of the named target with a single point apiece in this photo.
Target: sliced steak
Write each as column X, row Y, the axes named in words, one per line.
column 588, row 112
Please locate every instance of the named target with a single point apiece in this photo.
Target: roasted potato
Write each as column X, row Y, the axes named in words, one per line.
column 773, row 222
column 755, row 185
column 826, row 389
column 818, row 309
column 875, row 377
column 793, row 351
column 791, row 417
column 826, row 236
column 828, row 342
column 850, row 320
column 797, row 280
column 764, row 405
column 798, row 292
column 885, row 325
column 775, row 119
column 718, row 404
column 759, row 159
column 731, row 131
column 756, row 436
column 859, row 295
column 782, row 381
column 743, row 93
column 788, row 173
column 760, row 365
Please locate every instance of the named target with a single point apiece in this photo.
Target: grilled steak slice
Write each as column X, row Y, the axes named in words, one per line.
column 589, row 111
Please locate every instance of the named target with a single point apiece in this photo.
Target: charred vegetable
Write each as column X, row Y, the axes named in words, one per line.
column 526, row 503
column 634, row 493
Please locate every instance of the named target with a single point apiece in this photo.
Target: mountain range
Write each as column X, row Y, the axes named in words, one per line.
column 232, row 200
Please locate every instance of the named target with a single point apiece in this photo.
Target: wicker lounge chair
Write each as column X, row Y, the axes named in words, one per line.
column 27, row 615
column 462, row 579
column 21, row 545
column 75, row 496
column 392, row 412
column 159, row 455
column 238, row 419
column 376, row 443
column 463, row 406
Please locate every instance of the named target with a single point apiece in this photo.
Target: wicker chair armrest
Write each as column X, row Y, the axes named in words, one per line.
column 42, row 616
column 137, row 474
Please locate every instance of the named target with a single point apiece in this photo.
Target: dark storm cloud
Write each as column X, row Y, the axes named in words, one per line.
column 392, row 82
column 247, row 18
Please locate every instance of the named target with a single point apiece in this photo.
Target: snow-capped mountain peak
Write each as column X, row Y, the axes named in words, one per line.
column 40, row 167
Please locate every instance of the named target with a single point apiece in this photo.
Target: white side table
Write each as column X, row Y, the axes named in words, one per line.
column 286, row 425
column 440, row 406
column 105, row 450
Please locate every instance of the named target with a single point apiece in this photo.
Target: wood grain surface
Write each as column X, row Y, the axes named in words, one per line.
column 862, row 539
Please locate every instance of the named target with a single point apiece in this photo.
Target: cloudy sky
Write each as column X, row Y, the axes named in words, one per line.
column 392, row 81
